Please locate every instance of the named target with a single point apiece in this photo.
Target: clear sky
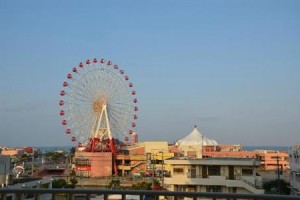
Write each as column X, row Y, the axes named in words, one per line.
column 231, row 67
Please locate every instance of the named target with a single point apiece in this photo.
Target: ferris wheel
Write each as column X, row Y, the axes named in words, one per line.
column 98, row 106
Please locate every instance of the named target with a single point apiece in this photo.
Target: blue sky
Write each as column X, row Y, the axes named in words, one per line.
column 230, row 67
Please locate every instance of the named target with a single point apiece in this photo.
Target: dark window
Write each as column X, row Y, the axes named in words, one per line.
column 234, row 190
column 193, row 171
column 247, row 172
column 213, row 188
column 214, row 170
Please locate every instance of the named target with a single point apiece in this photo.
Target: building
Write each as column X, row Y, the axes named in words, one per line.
column 45, row 183
column 12, row 151
column 273, row 160
column 4, row 170
column 93, row 164
column 228, row 175
column 294, row 158
column 193, row 144
column 143, row 157
column 230, row 154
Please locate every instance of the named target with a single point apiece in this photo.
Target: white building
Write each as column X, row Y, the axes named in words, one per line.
column 192, row 144
column 4, row 170
column 228, row 175
column 294, row 155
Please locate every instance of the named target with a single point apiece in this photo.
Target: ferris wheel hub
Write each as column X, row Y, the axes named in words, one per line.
column 98, row 105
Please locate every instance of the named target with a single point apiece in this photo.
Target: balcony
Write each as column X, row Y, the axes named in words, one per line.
column 250, row 183
column 90, row 194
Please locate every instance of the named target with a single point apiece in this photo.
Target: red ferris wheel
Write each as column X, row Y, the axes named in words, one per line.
column 98, row 106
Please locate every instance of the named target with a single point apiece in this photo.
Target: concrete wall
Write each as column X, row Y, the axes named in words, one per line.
column 101, row 162
column 4, row 170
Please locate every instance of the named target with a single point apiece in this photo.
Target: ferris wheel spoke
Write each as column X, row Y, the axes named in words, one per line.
column 119, row 107
column 84, row 90
column 79, row 113
column 83, row 93
column 78, row 98
column 119, row 120
column 116, row 99
column 117, row 115
column 118, row 111
column 113, row 86
column 82, row 83
column 117, row 128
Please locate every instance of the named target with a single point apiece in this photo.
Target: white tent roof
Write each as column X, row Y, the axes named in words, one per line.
column 196, row 138
column 209, row 142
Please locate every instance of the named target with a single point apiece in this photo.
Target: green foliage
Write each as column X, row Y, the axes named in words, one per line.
column 54, row 156
column 72, row 173
column 271, row 187
column 142, row 186
column 73, row 182
column 114, row 184
column 59, row 183
column 62, row 183
column 72, row 150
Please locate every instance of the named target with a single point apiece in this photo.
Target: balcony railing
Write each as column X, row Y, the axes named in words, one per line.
column 89, row 194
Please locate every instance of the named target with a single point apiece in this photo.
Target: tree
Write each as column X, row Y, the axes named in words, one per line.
column 271, row 187
column 156, row 185
column 114, row 184
column 73, row 182
column 59, row 183
column 142, row 186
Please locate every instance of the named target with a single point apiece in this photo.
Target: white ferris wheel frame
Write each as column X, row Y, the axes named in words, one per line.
column 98, row 82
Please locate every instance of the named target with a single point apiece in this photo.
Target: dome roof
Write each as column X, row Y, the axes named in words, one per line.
column 196, row 138
column 209, row 142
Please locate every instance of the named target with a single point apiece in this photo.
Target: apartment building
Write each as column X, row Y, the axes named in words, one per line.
column 228, row 175
column 294, row 158
column 272, row 160
column 4, row 170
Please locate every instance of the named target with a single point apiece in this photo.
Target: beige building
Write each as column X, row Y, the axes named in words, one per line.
column 228, row 175
column 4, row 170
column 294, row 155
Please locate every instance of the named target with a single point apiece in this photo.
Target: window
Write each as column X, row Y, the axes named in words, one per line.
column 276, row 157
column 178, row 170
column 83, row 162
column 213, row 188
column 213, row 170
column 247, row 172
column 234, row 190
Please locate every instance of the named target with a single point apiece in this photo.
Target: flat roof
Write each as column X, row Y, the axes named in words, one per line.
column 214, row 161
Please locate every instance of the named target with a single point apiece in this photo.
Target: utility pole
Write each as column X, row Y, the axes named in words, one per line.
column 162, row 167
column 32, row 163
column 153, row 170
column 278, row 175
